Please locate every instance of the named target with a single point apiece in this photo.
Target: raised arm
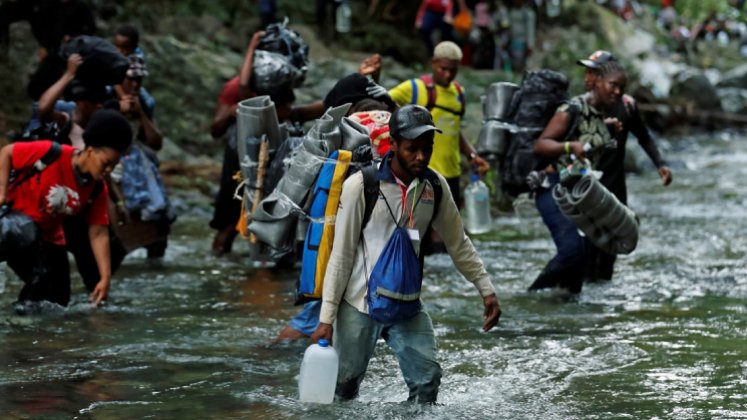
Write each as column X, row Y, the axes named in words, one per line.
column 51, row 95
column 246, row 68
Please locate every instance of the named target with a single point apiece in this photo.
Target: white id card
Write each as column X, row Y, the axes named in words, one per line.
column 414, row 234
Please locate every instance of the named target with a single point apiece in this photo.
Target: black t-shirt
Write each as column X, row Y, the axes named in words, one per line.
column 612, row 161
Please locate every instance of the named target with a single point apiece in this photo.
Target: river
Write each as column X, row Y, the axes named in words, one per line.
column 664, row 339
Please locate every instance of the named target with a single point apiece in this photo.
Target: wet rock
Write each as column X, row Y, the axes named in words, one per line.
column 693, row 89
column 733, row 100
column 736, row 78
column 657, row 74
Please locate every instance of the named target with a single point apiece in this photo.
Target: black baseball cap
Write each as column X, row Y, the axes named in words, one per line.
column 596, row 59
column 410, row 122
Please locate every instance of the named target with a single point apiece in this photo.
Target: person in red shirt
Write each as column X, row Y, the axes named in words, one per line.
column 69, row 185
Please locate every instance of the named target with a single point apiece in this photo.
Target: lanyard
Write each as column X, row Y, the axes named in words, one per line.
column 405, row 210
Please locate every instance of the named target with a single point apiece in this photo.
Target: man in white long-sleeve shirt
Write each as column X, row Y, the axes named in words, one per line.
column 404, row 189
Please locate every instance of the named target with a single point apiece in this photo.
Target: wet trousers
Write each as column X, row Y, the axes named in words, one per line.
column 52, row 283
column 227, row 210
column 566, row 268
column 413, row 341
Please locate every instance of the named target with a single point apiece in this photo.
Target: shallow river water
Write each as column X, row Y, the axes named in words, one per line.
column 664, row 339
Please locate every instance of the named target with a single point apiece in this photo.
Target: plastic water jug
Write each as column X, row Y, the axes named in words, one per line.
column 342, row 17
column 318, row 377
column 477, row 206
column 553, row 8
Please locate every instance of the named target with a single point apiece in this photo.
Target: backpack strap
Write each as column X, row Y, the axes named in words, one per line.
column 438, row 190
column 370, row 191
column 460, row 97
column 574, row 110
column 50, row 156
column 430, row 89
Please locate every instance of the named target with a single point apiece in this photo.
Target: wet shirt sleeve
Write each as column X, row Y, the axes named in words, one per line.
column 347, row 236
column 639, row 130
column 448, row 224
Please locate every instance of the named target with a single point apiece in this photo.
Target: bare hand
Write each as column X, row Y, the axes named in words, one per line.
column 577, row 149
column 492, row 312
column 322, row 331
column 100, row 293
column 73, row 62
column 254, row 43
column 482, row 165
column 666, row 175
column 123, row 216
column 614, row 123
column 371, row 66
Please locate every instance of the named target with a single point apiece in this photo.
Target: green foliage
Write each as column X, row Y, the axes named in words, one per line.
column 697, row 10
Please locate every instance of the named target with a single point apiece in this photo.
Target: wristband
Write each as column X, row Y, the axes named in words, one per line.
column 472, row 156
column 567, row 147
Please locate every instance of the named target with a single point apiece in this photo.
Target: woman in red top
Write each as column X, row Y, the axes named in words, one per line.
column 70, row 184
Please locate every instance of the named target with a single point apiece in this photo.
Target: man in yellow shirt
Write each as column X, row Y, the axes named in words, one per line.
column 444, row 98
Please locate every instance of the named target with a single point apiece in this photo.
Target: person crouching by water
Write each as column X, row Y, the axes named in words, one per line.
column 588, row 126
column 72, row 183
column 407, row 199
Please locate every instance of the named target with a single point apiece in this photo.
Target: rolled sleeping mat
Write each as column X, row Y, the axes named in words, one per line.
column 562, row 199
column 353, row 134
column 260, row 108
column 327, row 128
column 493, row 139
column 273, row 221
column 497, row 104
column 616, row 225
column 300, row 175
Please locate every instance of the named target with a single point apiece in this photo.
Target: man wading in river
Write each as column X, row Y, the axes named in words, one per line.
column 361, row 288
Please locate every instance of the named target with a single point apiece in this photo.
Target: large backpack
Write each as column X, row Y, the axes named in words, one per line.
column 325, row 201
column 430, row 91
column 532, row 107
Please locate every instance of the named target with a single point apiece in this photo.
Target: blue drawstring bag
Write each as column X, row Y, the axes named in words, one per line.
column 394, row 285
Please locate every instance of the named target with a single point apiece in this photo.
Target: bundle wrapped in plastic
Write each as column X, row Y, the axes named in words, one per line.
column 273, row 72
column 609, row 224
column 278, row 38
column 280, row 61
column 272, row 222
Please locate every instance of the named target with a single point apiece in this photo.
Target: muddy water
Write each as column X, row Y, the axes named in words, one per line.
column 665, row 339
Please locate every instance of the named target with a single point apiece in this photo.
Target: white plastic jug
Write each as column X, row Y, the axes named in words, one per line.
column 342, row 17
column 477, row 206
column 318, row 373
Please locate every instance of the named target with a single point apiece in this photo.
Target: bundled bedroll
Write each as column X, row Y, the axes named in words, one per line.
column 273, row 220
column 609, row 224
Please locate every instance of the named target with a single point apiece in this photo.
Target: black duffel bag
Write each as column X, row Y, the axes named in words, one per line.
column 102, row 62
column 18, row 233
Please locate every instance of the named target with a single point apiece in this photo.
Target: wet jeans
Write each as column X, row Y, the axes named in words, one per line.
column 413, row 342
column 566, row 268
